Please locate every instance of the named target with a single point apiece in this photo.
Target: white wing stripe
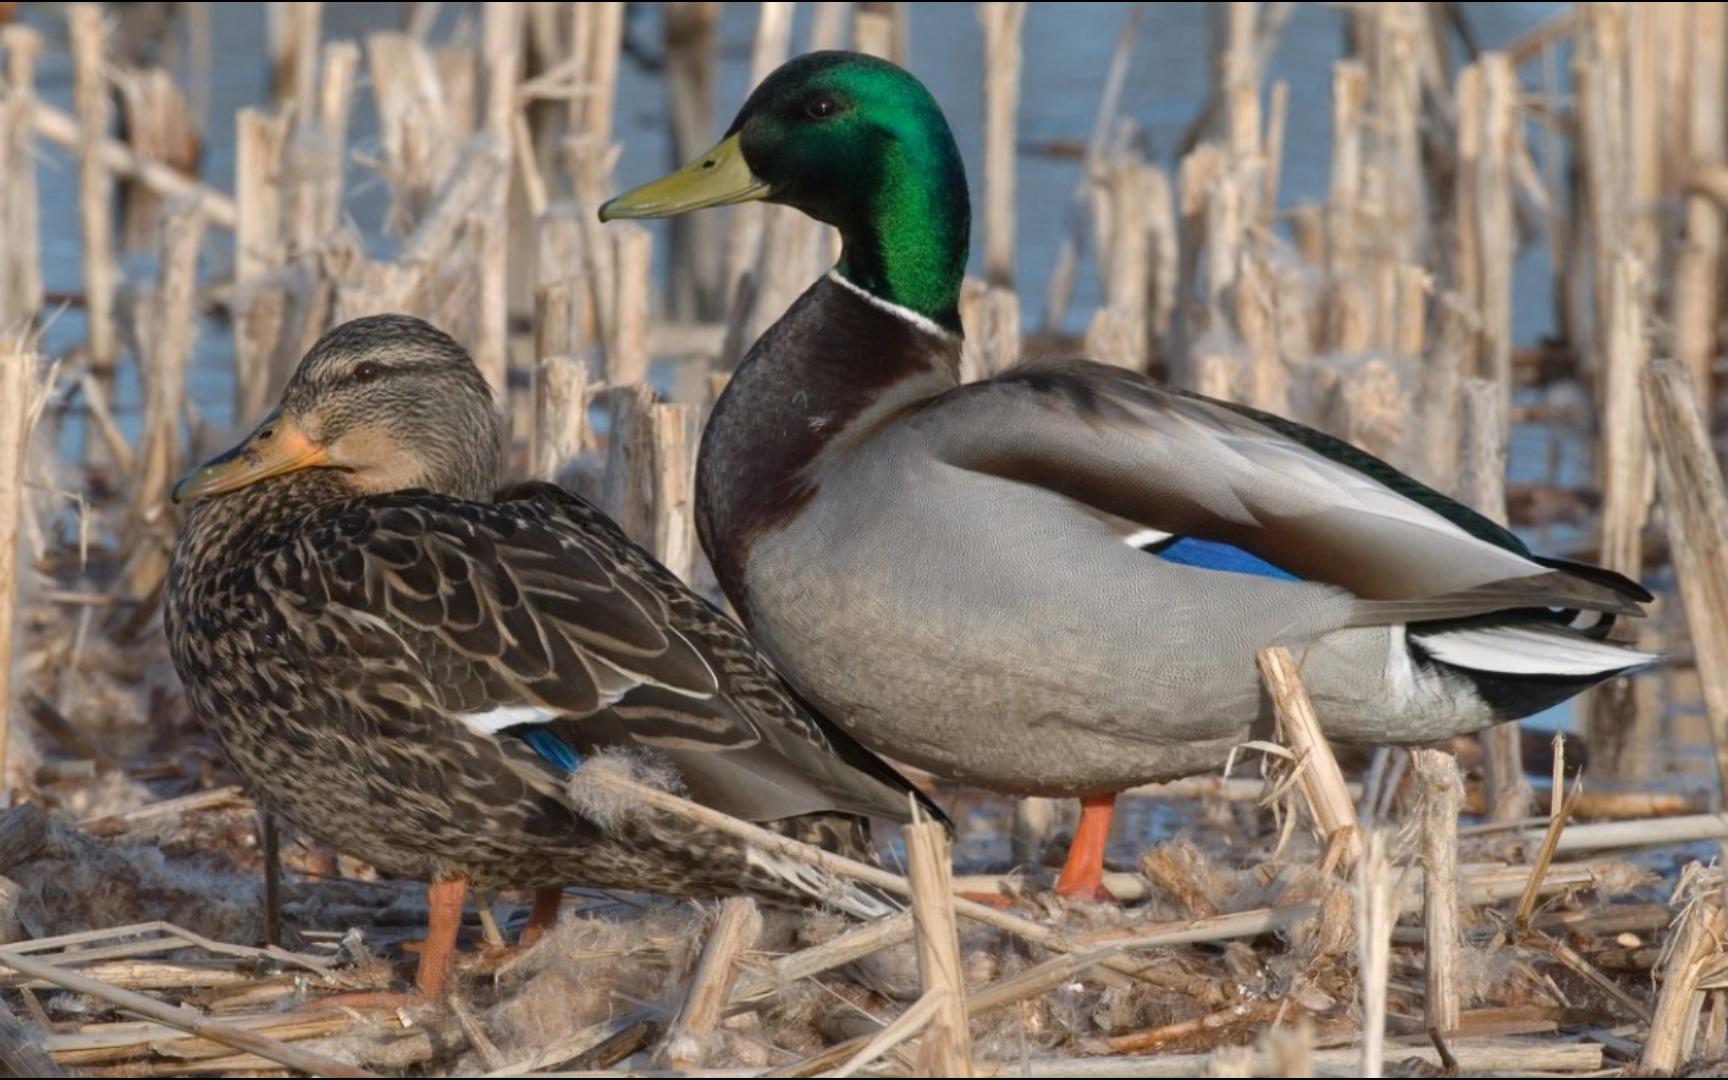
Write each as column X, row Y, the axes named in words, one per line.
column 492, row 721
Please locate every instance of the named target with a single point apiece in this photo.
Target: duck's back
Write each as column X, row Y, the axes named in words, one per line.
column 412, row 678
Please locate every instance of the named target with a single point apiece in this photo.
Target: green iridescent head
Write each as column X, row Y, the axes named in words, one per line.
column 856, row 142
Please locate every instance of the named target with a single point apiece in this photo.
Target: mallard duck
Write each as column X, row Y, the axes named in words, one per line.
column 409, row 668
column 942, row 568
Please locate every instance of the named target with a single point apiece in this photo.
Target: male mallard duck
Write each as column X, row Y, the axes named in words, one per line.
column 933, row 565
column 409, row 669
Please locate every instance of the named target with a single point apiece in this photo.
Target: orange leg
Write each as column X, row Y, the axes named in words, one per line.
column 1083, row 873
column 544, row 915
column 444, row 900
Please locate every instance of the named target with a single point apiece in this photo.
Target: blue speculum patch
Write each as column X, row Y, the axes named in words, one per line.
column 1211, row 555
column 552, row 748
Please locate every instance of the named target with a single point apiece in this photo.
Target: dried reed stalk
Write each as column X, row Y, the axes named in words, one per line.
column 946, row 1049
column 1616, row 709
column 181, row 1018
column 1697, row 519
column 1483, row 486
column 17, row 388
column 736, row 929
column 21, row 261
column 174, row 321
column 258, row 251
column 1442, row 798
column 1374, row 919
column 1241, row 924
column 627, row 345
column 1321, row 782
column 676, row 433
column 95, row 183
column 1697, row 939
column 1002, row 24
column 1062, row 275
column 561, row 414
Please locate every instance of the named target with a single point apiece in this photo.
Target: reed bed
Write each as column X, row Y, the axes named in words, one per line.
column 1323, row 910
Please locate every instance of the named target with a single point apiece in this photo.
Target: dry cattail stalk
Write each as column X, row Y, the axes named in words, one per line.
column 95, row 183
column 292, row 32
column 1697, row 519
column 745, row 226
column 1698, row 264
column 627, row 344
column 1374, row 919
column 1002, row 23
column 992, row 342
column 1496, row 236
column 1103, row 124
column 1441, row 803
column 17, row 386
column 676, row 434
column 174, row 321
column 561, row 414
column 1483, row 486
column 1617, row 709
column 694, row 284
column 258, row 250
column 946, row 1049
column 1697, row 939
column 736, row 929
column 21, row 261
column 628, row 492
column 1321, row 782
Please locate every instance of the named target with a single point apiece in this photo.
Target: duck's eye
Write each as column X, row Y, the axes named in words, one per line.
column 366, row 371
column 821, row 107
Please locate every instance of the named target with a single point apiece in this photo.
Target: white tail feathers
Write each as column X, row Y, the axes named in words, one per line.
column 1530, row 649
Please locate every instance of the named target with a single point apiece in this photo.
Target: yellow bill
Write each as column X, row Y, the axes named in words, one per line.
column 718, row 178
column 277, row 446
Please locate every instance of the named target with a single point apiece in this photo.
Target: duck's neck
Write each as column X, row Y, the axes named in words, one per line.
column 838, row 364
column 235, row 526
column 907, row 244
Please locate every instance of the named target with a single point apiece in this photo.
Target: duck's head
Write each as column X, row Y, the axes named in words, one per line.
column 385, row 402
column 854, row 141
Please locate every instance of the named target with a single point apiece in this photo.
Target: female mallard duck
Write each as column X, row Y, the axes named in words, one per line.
column 931, row 563
column 409, row 669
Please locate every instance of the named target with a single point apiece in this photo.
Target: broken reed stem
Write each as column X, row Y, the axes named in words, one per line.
column 676, row 433
column 560, row 415
column 1482, row 484
column 183, row 1019
column 1697, row 938
column 1321, row 781
column 170, row 346
column 946, row 1049
column 1374, row 919
column 121, row 160
column 1002, row 24
column 736, row 929
column 20, row 215
column 627, row 345
column 95, row 184
column 1224, row 927
column 17, row 381
column 1442, row 800
column 908, row 1025
column 1103, row 123
column 1690, row 481
column 1545, row 854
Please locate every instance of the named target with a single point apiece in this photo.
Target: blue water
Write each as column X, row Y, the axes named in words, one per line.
column 1067, row 49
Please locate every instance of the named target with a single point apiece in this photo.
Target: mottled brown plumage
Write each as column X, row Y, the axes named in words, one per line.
column 408, row 674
